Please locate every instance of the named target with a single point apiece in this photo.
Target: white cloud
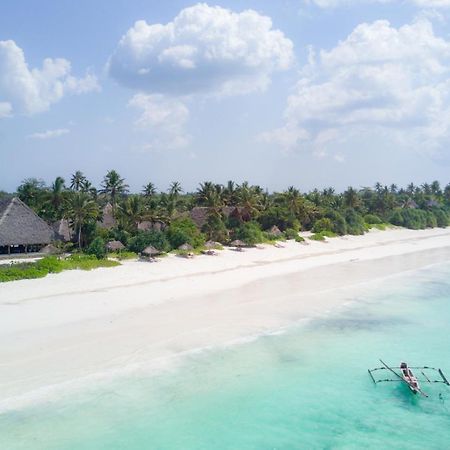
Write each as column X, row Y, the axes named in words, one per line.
column 164, row 117
column 29, row 91
column 396, row 81
column 337, row 3
column 204, row 49
column 49, row 134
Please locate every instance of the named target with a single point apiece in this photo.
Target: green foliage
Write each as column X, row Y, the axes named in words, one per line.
column 97, row 248
column 184, row 231
column 442, row 218
column 290, row 233
column 145, row 238
column 121, row 255
column 250, row 233
column 431, row 220
column 328, row 234
column 414, row 219
column 338, row 221
column 299, row 239
column 355, row 222
column 51, row 264
column 317, row 237
column 215, row 229
column 372, row 219
column 324, row 224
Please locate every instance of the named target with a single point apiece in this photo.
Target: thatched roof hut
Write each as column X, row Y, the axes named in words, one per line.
column 238, row 243
column 275, row 231
column 411, row 204
column 114, row 246
column 21, row 229
column 212, row 245
column 63, row 230
column 108, row 221
column 151, row 251
column 50, row 249
column 186, row 247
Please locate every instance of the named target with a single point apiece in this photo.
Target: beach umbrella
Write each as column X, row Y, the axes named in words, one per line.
column 238, row 243
column 211, row 244
column 151, row 251
column 114, row 246
column 186, row 247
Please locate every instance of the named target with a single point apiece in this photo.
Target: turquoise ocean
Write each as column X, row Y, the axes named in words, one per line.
column 305, row 388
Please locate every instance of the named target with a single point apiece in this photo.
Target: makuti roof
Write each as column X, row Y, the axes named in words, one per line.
column 20, row 225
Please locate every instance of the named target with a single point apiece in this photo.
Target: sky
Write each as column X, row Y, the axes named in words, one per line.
column 310, row 93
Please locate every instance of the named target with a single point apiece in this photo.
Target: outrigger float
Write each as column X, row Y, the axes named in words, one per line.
column 404, row 374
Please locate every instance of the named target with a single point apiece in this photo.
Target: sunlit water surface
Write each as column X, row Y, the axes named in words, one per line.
column 307, row 388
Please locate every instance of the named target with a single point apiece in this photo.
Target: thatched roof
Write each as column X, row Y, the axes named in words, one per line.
column 432, row 203
column 50, row 249
column 114, row 246
column 186, row 247
column 199, row 214
column 63, row 230
column 275, row 231
column 147, row 225
column 108, row 220
column 212, row 244
column 151, row 251
column 20, row 225
column 238, row 243
column 411, row 204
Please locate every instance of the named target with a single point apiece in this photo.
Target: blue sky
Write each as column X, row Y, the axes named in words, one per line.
column 308, row 93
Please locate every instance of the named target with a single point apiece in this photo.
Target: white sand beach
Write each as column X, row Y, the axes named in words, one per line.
column 78, row 325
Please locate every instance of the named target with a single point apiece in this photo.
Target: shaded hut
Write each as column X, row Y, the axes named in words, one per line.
column 410, row 204
column 63, row 230
column 108, row 221
column 50, row 249
column 275, row 232
column 114, row 246
column 212, row 245
column 186, row 247
column 21, row 229
column 151, row 251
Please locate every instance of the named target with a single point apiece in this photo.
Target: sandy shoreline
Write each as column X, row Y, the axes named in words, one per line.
column 77, row 324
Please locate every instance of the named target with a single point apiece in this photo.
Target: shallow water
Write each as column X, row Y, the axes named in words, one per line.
column 305, row 389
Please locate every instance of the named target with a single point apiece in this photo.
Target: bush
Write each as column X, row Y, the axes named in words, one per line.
column 290, row 233
column 184, row 231
column 299, row 239
column 355, row 223
column 372, row 219
column 145, row 238
column 414, row 219
column 215, row 229
column 431, row 220
column 442, row 219
column 324, row 224
column 328, row 234
column 338, row 221
column 250, row 233
column 97, row 248
column 317, row 237
column 121, row 255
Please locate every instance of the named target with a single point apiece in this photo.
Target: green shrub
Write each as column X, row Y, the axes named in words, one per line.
column 250, row 233
column 328, row 234
column 324, row 224
column 97, row 248
column 414, row 219
column 215, row 229
column 442, row 218
column 431, row 220
column 372, row 219
column 145, row 238
column 51, row 264
column 184, row 231
column 337, row 219
column 355, row 223
column 121, row 255
column 299, row 239
column 317, row 237
column 290, row 233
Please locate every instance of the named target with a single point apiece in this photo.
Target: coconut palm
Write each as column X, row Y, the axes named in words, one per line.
column 56, row 196
column 149, row 190
column 113, row 186
column 175, row 189
column 352, row 199
column 131, row 211
column 80, row 210
column 77, row 180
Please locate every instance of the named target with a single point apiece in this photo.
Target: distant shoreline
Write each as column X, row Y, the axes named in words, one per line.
column 76, row 324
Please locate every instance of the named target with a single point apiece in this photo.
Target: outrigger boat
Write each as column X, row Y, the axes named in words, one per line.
column 404, row 374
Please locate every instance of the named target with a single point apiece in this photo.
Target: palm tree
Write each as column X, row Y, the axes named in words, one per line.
column 77, row 181
column 175, row 189
column 249, row 198
column 113, row 186
column 351, row 198
column 81, row 209
column 131, row 211
column 229, row 193
column 149, row 190
column 57, row 196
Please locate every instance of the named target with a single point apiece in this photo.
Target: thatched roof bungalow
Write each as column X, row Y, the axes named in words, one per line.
column 21, row 229
column 108, row 221
column 63, row 230
column 114, row 246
